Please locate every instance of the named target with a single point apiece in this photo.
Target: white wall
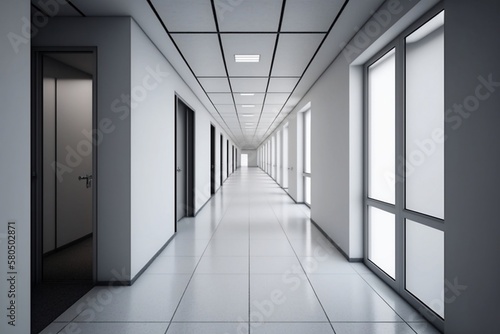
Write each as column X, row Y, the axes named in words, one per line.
column 152, row 129
column 15, row 78
column 152, row 150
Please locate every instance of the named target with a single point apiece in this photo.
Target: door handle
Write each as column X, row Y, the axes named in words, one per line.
column 179, row 170
column 87, row 178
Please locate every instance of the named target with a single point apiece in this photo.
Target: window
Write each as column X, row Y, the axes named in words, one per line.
column 307, row 156
column 404, row 163
column 285, row 157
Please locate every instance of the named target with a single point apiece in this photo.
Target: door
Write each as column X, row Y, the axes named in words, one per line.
column 74, row 189
column 212, row 159
column 227, row 158
column 232, row 160
column 64, row 241
column 181, row 155
column 184, row 156
column 221, row 159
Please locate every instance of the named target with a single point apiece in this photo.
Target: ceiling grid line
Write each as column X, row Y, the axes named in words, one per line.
column 294, row 40
column 224, row 61
column 307, row 67
column 272, row 64
column 153, row 8
column 75, row 8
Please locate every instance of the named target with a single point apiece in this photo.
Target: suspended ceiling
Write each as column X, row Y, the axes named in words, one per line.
column 295, row 39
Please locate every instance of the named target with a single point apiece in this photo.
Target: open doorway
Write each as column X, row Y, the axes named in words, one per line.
column 63, row 180
column 184, row 138
column 244, row 160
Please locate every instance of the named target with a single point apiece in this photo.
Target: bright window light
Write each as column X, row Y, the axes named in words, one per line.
column 247, row 58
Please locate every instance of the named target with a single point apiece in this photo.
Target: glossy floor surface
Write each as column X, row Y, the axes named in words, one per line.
column 250, row 262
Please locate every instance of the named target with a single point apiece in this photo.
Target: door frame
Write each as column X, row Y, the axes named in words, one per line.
column 190, row 158
column 213, row 158
column 37, row 157
column 221, row 158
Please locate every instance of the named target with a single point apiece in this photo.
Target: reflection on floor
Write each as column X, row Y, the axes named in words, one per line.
column 67, row 277
column 250, row 262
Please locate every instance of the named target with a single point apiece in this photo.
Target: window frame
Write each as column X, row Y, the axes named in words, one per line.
column 399, row 208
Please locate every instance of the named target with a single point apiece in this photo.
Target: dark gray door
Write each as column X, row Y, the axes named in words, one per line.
column 212, row 159
column 181, row 161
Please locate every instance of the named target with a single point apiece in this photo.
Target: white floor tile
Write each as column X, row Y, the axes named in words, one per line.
column 216, row 298
column 283, row 298
column 406, row 312
column 326, row 264
column 151, row 298
column 173, row 265
column 292, row 328
column 277, row 247
column 238, row 247
column 185, row 247
column 223, row 265
column 349, row 298
column 274, row 265
column 372, row 328
column 116, row 328
column 208, row 328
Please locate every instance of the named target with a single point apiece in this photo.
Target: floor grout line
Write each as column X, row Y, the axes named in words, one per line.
column 221, row 193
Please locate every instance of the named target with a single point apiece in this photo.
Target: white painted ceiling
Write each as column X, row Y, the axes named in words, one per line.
column 296, row 40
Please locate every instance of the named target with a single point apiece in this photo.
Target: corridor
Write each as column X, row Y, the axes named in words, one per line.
column 250, row 262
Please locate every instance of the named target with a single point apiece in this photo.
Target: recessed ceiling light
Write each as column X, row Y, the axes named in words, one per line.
column 248, row 106
column 247, row 94
column 247, row 115
column 248, row 124
column 247, row 58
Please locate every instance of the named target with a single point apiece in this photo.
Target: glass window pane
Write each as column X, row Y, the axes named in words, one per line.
column 307, row 141
column 285, row 157
column 381, row 240
column 307, row 190
column 381, row 132
column 425, row 119
column 425, row 265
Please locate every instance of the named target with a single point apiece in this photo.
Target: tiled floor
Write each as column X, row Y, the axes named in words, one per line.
column 250, row 262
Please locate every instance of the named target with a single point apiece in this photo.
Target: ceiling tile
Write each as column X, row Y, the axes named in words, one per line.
column 248, row 44
column 255, row 15
column 253, row 85
column 282, row 85
column 226, row 109
column 301, row 46
column 272, row 109
column 221, row 98
column 215, row 85
column 202, row 52
column 276, row 98
column 257, row 98
column 311, row 15
column 252, row 110
column 186, row 15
